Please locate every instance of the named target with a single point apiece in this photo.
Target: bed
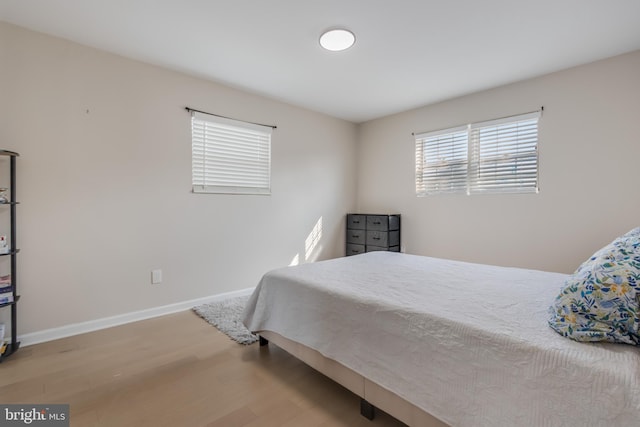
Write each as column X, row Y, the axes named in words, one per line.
column 437, row 342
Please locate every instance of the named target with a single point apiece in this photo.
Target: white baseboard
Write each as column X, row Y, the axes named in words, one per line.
column 108, row 322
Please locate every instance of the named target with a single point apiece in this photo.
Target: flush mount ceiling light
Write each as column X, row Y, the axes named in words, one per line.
column 337, row 39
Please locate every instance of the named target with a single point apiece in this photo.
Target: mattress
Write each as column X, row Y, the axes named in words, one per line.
column 467, row 343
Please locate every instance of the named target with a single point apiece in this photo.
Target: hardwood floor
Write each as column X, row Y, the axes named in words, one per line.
column 177, row 370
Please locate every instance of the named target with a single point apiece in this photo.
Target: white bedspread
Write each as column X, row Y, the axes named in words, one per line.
column 468, row 343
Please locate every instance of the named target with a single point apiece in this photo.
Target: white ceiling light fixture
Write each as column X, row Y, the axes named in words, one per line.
column 337, row 39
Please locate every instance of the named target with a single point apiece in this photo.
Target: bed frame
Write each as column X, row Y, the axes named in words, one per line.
column 371, row 394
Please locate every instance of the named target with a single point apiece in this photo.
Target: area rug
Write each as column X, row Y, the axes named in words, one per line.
column 226, row 315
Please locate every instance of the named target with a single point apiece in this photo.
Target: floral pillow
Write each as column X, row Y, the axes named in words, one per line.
column 601, row 300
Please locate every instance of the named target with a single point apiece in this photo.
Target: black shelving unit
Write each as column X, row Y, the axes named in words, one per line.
column 14, row 344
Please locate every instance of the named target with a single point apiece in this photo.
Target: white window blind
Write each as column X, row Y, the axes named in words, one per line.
column 488, row 157
column 504, row 155
column 441, row 161
column 229, row 156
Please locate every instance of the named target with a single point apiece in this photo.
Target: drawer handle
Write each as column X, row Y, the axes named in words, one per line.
column 355, row 222
column 355, row 236
column 376, row 238
column 377, row 222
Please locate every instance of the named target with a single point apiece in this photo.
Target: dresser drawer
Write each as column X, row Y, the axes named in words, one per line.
column 394, row 238
column 377, row 238
column 376, row 248
column 356, row 222
column 383, row 238
column 394, row 222
column 377, row 222
column 381, row 248
column 354, row 249
column 356, row 236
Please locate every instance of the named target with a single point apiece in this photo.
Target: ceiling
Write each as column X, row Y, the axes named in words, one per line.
column 408, row 53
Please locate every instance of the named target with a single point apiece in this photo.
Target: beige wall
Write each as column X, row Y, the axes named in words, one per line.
column 589, row 182
column 105, row 190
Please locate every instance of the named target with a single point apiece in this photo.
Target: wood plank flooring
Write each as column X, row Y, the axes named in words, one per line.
column 177, row 370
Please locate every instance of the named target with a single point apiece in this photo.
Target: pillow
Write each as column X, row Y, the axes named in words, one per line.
column 601, row 300
column 630, row 239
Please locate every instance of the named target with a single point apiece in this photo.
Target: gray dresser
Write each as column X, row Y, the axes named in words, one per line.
column 372, row 232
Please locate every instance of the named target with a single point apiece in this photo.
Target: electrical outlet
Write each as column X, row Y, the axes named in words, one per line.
column 156, row 277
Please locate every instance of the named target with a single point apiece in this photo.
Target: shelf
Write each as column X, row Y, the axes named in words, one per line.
column 11, row 252
column 11, row 244
column 7, row 304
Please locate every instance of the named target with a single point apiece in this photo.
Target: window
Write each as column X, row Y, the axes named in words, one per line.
column 229, row 156
column 441, row 161
column 489, row 157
